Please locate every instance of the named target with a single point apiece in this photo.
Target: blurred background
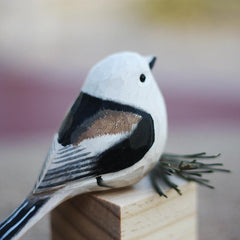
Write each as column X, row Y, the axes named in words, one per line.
column 47, row 47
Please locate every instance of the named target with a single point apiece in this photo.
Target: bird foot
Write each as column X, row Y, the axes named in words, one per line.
column 101, row 183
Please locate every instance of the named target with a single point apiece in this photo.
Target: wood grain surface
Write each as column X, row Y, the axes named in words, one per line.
column 134, row 213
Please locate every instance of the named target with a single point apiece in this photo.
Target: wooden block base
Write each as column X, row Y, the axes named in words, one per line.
column 134, row 213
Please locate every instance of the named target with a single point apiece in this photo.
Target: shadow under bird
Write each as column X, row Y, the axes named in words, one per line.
column 112, row 136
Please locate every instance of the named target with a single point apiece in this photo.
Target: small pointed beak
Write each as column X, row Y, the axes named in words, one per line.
column 151, row 61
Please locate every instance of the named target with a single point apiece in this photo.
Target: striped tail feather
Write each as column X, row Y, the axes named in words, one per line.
column 16, row 224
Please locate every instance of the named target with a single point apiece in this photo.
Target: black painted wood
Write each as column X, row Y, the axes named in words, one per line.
column 20, row 217
column 117, row 157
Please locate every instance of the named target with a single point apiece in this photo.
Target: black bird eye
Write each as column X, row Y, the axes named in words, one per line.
column 142, row 77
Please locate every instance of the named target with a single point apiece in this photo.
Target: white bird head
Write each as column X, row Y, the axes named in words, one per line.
column 125, row 78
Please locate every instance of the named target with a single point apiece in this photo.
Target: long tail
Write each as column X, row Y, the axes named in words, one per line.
column 32, row 209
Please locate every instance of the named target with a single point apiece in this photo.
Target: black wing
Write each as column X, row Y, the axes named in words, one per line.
column 96, row 137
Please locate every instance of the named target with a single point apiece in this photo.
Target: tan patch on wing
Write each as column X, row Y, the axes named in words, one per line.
column 110, row 122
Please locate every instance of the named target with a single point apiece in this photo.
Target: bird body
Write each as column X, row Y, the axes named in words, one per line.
column 112, row 136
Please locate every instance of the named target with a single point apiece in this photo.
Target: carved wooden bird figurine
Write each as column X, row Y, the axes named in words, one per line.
column 112, row 136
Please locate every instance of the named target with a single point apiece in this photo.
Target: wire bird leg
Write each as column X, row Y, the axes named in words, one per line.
column 187, row 167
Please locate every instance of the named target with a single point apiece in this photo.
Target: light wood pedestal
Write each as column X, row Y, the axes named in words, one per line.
column 133, row 213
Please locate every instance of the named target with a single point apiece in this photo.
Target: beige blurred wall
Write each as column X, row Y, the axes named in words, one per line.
column 70, row 36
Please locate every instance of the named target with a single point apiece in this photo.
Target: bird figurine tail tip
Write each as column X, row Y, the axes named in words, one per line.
column 16, row 224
